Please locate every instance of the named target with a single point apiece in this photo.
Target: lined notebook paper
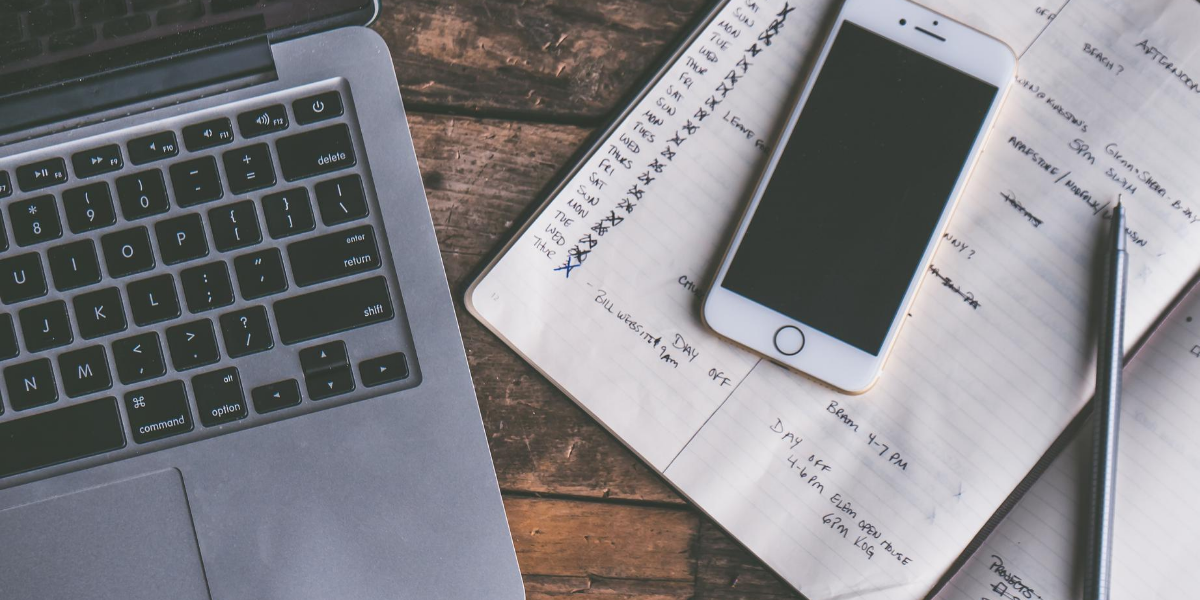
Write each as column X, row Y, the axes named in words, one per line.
column 871, row 496
column 1039, row 549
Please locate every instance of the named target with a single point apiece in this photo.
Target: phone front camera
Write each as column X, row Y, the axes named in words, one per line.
column 903, row 22
column 935, row 23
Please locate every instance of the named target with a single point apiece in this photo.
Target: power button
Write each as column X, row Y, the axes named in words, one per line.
column 311, row 109
column 789, row 340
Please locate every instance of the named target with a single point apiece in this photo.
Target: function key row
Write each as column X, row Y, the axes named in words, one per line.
column 330, row 150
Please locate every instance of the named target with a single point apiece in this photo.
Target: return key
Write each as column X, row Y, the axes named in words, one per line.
column 334, row 255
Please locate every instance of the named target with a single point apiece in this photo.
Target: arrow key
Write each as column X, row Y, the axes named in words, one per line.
column 274, row 396
column 330, row 383
column 384, row 369
column 326, row 357
column 138, row 358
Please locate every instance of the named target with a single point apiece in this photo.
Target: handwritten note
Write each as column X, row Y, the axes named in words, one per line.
column 1038, row 550
column 871, row 496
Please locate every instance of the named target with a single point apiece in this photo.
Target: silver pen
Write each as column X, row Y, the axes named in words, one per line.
column 1107, row 415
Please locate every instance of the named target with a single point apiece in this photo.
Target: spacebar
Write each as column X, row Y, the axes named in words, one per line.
column 59, row 436
column 332, row 310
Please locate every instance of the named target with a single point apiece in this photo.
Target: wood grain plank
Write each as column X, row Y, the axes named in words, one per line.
column 557, row 59
column 725, row 570
column 586, row 544
column 481, row 176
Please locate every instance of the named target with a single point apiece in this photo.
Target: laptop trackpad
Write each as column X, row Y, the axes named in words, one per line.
column 132, row 540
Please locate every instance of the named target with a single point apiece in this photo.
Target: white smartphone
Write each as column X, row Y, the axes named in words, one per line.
column 843, row 224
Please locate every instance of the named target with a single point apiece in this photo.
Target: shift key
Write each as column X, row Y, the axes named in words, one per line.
column 333, row 310
column 334, row 255
column 315, row 152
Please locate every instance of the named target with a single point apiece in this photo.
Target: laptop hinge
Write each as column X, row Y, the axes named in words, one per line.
column 138, row 84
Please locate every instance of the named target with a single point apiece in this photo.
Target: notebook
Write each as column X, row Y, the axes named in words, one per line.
column 1036, row 551
column 871, row 496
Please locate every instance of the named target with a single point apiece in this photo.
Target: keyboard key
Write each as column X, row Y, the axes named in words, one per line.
column 274, row 396
column 8, row 338
column 10, row 25
column 46, row 326
column 153, row 300
column 207, row 287
column 249, row 168
column 126, row 26
column 138, row 358
column 97, row 161
column 155, row 146
column 127, row 252
column 288, row 213
column 208, row 134
column 99, row 313
column 315, row 152
column 181, row 239
column 34, row 220
column 333, row 310
column 94, row 11
column 260, row 273
column 5, row 185
column 72, row 38
column 43, row 174
column 74, row 265
column 59, row 436
column 89, row 207
column 50, row 18
column 188, row 11
column 193, row 345
column 341, row 200
column 235, row 226
column 158, row 411
column 142, row 195
column 333, row 255
column 30, row 384
column 196, row 181
column 19, row 51
column 263, row 121
column 246, row 332
column 318, row 108
column 221, row 6
column 383, row 369
column 149, row 5
column 85, row 371
column 219, row 397
column 328, row 384
column 329, row 356
column 21, row 278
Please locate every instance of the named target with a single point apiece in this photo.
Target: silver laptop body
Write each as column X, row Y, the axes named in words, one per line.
column 306, row 426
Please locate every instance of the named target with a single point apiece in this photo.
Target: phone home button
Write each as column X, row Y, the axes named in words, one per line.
column 789, row 340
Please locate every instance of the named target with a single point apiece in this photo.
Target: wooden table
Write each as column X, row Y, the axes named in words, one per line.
column 500, row 95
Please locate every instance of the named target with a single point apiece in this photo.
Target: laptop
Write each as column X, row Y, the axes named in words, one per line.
column 229, row 362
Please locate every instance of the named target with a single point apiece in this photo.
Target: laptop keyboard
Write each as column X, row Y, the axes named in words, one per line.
column 191, row 277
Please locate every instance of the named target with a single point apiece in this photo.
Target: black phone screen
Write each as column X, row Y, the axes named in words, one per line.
column 850, row 208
